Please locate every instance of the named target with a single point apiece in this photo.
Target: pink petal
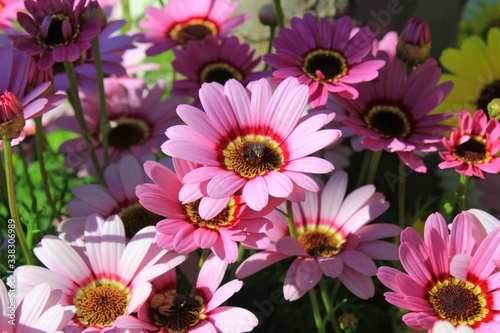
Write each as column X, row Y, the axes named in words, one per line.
column 303, row 275
column 210, row 277
column 223, row 293
column 233, row 319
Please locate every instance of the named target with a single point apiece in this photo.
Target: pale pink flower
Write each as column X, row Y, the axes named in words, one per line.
column 252, row 140
column 471, row 149
column 171, row 311
column 107, row 280
column 333, row 239
column 443, row 326
column 8, row 12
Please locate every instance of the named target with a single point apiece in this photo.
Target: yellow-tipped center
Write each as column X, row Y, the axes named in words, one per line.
column 124, row 133
column 225, row 218
column 321, row 243
column 472, row 151
column 388, row 121
column 324, row 65
column 176, row 313
column 220, row 72
column 192, row 30
column 136, row 217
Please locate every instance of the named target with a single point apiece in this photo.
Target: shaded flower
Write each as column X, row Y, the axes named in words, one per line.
column 414, row 45
column 171, row 311
column 324, row 56
column 333, row 238
column 212, row 60
column 252, row 140
column 107, row 280
column 471, row 149
column 449, row 276
column 182, row 21
column 54, row 31
column 477, row 17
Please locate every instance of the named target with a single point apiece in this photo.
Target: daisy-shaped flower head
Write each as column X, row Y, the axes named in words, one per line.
column 333, row 238
column 471, row 149
column 324, row 56
column 182, row 21
column 137, row 117
column 171, row 311
column 200, row 222
column 54, row 31
column 252, row 140
column 450, row 276
column 107, row 280
column 392, row 113
column 212, row 60
column 475, row 71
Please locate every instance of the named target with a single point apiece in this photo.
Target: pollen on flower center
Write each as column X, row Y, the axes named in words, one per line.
column 219, row 72
column 458, row 302
column 388, row 121
column 136, row 217
column 100, row 304
column 176, row 313
column 489, row 92
column 472, row 151
column 126, row 132
column 192, row 30
column 324, row 65
column 253, row 155
column 318, row 243
column 225, row 218
column 60, row 32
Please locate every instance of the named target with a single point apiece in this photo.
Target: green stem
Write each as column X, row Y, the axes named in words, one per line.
column 316, row 312
column 43, row 171
column 402, row 194
column 327, row 302
column 102, row 101
column 279, row 13
column 126, row 15
column 372, row 171
column 462, row 192
column 9, row 175
column 367, row 154
column 289, row 218
column 77, row 106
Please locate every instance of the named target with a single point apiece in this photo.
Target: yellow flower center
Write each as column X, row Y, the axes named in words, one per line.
column 192, row 30
column 124, row 133
column 219, row 72
column 176, row 313
column 321, row 243
column 136, row 217
column 225, row 218
column 472, row 151
column 101, row 303
column 459, row 302
column 324, row 65
column 388, row 121
column 253, row 155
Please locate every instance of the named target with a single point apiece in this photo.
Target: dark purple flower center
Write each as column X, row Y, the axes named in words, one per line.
column 219, row 72
column 488, row 93
column 59, row 32
column 225, row 218
column 127, row 132
column 324, row 65
column 136, row 217
column 193, row 30
column 472, row 151
column 174, row 312
column 322, row 244
column 388, row 121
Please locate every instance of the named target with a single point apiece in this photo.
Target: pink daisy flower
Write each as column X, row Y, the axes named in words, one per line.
column 171, row 311
column 55, row 31
column 39, row 311
column 392, row 112
column 117, row 197
column 182, row 21
column 449, row 276
column 137, row 118
column 326, row 57
column 333, row 239
column 224, row 223
column 252, row 140
column 212, row 60
column 471, row 149
column 106, row 281
column 8, row 12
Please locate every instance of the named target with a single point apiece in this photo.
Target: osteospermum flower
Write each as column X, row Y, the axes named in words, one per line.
column 137, row 118
column 107, row 281
column 200, row 222
column 324, row 56
column 172, row 311
column 117, row 197
column 471, row 149
column 39, row 311
column 392, row 113
column 182, row 21
column 333, row 239
column 211, row 60
column 449, row 276
column 252, row 140
column 8, row 12
column 55, row 31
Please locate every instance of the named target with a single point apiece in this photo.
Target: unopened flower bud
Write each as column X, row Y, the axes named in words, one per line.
column 414, row 45
column 11, row 116
column 94, row 11
column 348, row 322
column 267, row 15
column 494, row 108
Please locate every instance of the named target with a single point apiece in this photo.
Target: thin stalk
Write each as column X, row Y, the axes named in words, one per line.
column 279, row 13
column 372, row 171
column 102, row 101
column 9, row 175
column 289, row 218
column 367, row 154
column 316, row 312
column 43, row 171
column 402, row 195
column 462, row 192
column 327, row 302
column 77, row 106
column 126, row 15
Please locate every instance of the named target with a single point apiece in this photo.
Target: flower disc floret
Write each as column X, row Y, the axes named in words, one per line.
column 321, row 244
column 223, row 219
column 195, row 29
column 325, row 65
column 389, row 121
column 176, row 312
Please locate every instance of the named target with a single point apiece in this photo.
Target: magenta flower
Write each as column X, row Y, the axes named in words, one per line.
column 107, row 280
column 171, row 311
column 471, row 149
column 324, row 56
column 201, row 222
column 252, row 140
column 55, row 31
column 181, row 21
column 8, row 12
column 449, row 276
column 137, row 118
column 333, row 239
column 392, row 112
column 212, row 60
